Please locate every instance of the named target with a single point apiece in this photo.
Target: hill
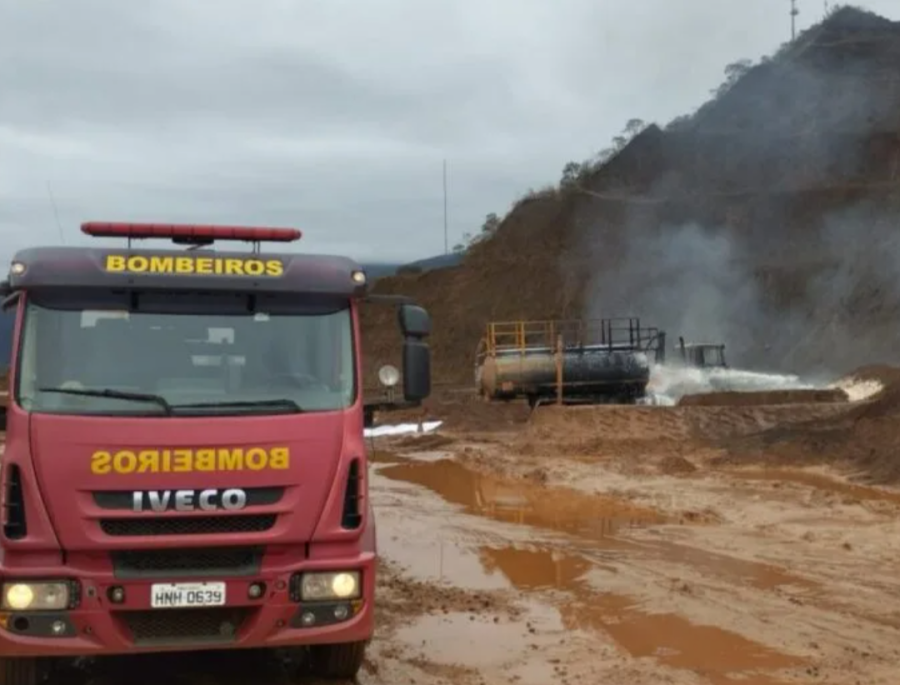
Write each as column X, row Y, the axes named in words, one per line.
column 379, row 270
column 438, row 262
column 376, row 270
column 766, row 220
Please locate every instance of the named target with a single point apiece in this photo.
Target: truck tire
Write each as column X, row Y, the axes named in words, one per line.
column 23, row 670
column 333, row 662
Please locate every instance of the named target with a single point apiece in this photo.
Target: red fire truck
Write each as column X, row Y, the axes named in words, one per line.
column 184, row 464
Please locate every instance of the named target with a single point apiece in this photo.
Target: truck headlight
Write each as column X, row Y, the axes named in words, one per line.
column 334, row 585
column 45, row 596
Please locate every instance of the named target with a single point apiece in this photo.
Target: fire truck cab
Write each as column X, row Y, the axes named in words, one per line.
column 185, row 465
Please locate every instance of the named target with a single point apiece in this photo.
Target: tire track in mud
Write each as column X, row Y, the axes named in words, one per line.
column 560, row 566
column 616, row 555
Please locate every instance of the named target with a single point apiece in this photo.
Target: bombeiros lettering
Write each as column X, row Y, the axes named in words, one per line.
column 233, row 499
column 205, row 459
column 193, row 265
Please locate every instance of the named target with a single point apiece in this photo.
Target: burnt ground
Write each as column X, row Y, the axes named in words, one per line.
column 632, row 545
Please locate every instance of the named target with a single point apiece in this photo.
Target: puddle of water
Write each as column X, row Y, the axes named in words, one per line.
column 460, row 638
column 440, row 561
column 590, row 517
column 428, row 549
column 673, row 640
column 538, row 569
column 522, row 503
column 819, row 482
column 670, row 639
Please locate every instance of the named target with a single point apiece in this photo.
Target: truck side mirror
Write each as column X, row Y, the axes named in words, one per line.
column 416, row 370
column 414, row 321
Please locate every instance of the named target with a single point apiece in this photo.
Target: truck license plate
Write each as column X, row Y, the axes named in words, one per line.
column 187, row 595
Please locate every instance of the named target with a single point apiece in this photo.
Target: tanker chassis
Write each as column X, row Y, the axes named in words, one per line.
column 575, row 361
column 184, row 465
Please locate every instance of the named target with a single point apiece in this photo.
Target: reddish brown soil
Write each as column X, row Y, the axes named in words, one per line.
column 864, row 438
column 775, row 428
column 766, row 576
column 461, row 408
column 770, row 397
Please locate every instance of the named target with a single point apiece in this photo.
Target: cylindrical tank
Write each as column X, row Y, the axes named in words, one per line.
column 589, row 371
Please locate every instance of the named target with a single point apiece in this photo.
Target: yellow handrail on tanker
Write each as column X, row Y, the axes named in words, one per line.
column 521, row 335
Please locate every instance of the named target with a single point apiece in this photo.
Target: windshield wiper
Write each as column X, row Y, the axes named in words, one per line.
column 115, row 394
column 283, row 403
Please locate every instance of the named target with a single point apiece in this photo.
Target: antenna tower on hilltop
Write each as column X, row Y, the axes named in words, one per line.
column 794, row 13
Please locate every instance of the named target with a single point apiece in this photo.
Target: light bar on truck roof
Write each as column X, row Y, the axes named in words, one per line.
column 251, row 234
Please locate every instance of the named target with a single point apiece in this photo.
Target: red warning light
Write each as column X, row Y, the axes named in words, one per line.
column 190, row 232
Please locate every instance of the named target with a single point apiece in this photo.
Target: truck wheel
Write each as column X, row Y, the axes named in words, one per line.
column 23, row 670
column 334, row 662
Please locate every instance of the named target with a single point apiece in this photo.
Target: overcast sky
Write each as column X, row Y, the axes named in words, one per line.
column 334, row 115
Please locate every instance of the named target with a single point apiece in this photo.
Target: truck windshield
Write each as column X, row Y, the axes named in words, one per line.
column 185, row 356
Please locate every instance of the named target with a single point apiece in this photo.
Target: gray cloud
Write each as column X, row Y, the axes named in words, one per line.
column 335, row 116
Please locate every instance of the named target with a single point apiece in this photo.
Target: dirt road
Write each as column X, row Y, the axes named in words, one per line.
column 631, row 560
column 607, row 545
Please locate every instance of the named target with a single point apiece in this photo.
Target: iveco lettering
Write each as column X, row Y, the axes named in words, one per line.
column 189, row 500
column 185, row 466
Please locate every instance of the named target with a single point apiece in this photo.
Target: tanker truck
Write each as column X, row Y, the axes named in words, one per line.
column 576, row 361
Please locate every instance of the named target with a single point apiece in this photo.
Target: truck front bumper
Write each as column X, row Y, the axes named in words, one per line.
column 97, row 624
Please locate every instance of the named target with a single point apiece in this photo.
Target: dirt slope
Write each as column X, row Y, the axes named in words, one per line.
column 767, row 397
column 766, row 220
column 863, row 439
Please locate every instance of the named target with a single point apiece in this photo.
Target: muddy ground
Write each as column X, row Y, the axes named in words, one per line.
column 613, row 549
column 609, row 545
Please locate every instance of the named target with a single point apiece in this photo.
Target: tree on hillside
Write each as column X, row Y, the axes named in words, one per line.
column 575, row 172
column 679, row 122
column 571, row 173
column 839, row 6
column 488, row 228
column 490, row 225
column 734, row 72
column 632, row 129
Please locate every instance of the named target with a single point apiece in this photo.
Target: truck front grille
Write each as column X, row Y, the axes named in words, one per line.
column 183, row 563
column 184, row 626
column 352, row 516
column 14, row 525
column 187, row 525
